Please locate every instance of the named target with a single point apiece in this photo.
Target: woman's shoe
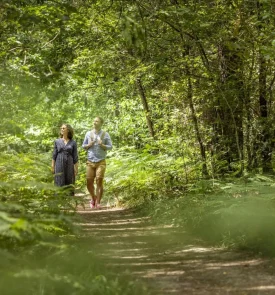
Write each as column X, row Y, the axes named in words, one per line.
column 92, row 204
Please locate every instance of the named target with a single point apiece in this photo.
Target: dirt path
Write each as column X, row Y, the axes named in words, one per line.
column 170, row 261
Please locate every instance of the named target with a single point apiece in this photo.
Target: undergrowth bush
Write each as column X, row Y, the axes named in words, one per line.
column 31, row 208
column 238, row 214
column 134, row 178
column 40, row 252
column 69, row 268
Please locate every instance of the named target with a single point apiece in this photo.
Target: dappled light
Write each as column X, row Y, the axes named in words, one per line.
column 137, row 147
column 171, row 260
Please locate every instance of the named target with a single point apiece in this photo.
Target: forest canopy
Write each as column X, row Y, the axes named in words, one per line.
column 189, row 79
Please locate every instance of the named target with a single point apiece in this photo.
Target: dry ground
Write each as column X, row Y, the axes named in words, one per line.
column 170, row 261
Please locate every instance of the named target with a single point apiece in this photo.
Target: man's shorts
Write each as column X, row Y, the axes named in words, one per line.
column 95, row 169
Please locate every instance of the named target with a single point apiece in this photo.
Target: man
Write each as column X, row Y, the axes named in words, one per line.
column 96, row 142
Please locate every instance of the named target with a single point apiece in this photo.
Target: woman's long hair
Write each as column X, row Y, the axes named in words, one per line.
column 70, row 131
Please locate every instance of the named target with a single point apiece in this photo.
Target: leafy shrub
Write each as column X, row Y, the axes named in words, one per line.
column 134, row 178
column 39, row 249
column 239, row 214
column 31, row 208
column 69, row 267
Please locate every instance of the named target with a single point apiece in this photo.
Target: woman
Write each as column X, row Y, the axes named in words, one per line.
column 65, row 158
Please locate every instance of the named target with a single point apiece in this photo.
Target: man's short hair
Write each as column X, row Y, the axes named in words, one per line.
column 101, row 119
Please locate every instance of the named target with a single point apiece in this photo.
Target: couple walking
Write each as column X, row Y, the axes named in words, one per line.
column 65, row 159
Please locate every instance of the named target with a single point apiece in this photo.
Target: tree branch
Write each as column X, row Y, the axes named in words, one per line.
column 50, row 40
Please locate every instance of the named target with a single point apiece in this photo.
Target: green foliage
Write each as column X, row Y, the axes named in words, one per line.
column 69, row 61
column 69, row 268
column 207, row 75
column 135, row 178
column 40, row 250
column 31, row 209
column 232, row 214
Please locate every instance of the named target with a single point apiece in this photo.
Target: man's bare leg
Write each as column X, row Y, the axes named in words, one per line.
column 99, row 189
column 91, row 189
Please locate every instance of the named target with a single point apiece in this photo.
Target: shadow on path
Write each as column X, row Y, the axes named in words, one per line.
column 170, row 261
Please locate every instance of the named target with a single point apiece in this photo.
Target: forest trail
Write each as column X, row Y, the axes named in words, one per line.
column 170, row 261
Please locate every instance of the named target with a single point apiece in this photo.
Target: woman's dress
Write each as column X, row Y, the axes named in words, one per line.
column 65, row 156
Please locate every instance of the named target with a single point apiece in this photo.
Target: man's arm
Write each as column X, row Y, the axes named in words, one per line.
column 86, row 144
column 108, row 143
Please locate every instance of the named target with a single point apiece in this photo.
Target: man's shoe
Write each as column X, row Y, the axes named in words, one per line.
column 92, row 204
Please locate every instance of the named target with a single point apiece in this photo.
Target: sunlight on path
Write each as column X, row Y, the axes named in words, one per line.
column 171, row 261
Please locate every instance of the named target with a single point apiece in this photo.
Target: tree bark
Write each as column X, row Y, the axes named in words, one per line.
column 196, row 126
column 266, row 150
column 145, row 107
column 230, row 108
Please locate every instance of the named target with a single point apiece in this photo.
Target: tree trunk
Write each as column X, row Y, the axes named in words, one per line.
column 266, row 151
column 196, row 126
column 230, row 108
column 145, row 107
